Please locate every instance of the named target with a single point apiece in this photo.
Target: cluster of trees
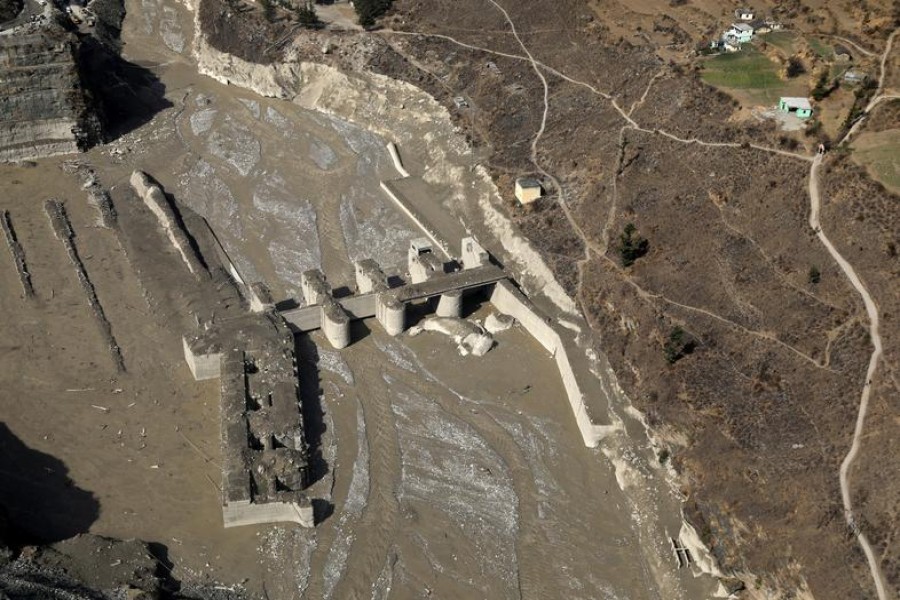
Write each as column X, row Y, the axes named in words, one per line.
column 679, row 345
column 369, row 10
column 631, row 245
column 304, row 12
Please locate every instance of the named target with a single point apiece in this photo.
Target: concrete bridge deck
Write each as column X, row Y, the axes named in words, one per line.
column 364, row 306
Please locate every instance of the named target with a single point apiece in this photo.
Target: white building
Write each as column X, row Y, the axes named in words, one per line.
column 528, row 190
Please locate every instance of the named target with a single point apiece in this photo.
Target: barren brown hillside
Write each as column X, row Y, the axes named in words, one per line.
column 768, row 398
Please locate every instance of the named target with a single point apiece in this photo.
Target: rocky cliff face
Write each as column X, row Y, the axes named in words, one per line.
column 44, row 108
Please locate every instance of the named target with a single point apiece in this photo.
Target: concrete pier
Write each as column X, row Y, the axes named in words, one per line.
column 314, row 287
column 450, row 304
column 335, row 324
column 369, row 277
column 391, row 313
column 473, row 255
column 334, row 320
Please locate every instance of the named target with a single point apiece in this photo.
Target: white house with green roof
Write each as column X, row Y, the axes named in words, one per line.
column 798, row 106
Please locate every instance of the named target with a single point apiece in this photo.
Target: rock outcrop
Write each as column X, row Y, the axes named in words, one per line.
column 44, row 107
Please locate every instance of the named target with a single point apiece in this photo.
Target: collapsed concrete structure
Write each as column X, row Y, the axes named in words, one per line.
column 265, row 462
column 265, row 458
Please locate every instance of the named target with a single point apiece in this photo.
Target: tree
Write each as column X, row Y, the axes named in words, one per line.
column 631, row 245
column 268, row 7
column 369, row 10
column 306, row 16
column 822, row 89
column 814, row 274
column 679, row 345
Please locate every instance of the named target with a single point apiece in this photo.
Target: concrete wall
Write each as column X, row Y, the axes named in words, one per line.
column 395, row 156
column 203, row 365
column 235, row 514
column 233, row 403
column 159, row 205
column 507, row 299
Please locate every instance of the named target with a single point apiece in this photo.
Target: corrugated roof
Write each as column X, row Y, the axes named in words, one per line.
column 793, row 102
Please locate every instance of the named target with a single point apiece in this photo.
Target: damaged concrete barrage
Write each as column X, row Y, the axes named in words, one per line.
column 446, row 284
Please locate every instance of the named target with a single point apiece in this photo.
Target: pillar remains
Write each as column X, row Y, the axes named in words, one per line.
column 450, row 304
column 391, row 313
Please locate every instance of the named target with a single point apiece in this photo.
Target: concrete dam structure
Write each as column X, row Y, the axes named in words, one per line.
column 266, row 467
column 438, row 282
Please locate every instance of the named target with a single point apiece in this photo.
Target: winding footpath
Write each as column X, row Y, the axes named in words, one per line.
column 879, row 94
column 872, row 311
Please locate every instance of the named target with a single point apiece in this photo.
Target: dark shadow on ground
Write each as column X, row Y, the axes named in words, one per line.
column 311, row 403
column 43, row 504
column 287, row 304
column 128, row 94
column 359, row 330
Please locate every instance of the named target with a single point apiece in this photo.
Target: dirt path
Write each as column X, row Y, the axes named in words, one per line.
column 872, row 311
column 879, row 95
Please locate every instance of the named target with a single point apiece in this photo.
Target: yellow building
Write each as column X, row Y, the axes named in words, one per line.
column 528, row 190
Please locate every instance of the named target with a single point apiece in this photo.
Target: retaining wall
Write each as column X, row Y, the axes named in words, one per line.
column 507, row 299
column 159, row 205
column 395, row 156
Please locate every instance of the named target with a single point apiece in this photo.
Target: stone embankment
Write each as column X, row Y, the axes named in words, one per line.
column 18, row 254
column 59, row 220
column 169, row 220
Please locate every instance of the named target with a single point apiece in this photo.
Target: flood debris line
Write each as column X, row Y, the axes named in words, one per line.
column 18, row 254
column 97, row 196
column 160, row 206
column 62, row 228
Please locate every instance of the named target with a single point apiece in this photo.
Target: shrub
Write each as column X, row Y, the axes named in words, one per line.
column 679, row 345
column 794, row 67
column 814, row 275
column 631, row 245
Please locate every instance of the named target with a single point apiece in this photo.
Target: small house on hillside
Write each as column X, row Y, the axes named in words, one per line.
column 742, row 31
column 798, row 106
column 854, row 77
column 730, row 44
column 759, row 27
column 744, row 14
column 528, row 190
column 842, row 53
